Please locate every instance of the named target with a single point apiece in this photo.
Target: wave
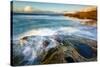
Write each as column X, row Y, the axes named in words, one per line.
column 59, row 31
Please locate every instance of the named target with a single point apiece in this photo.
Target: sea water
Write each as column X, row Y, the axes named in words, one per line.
column 38, row 28
column 23, row 24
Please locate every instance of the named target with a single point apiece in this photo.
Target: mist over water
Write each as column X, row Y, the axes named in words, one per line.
column 41, row 29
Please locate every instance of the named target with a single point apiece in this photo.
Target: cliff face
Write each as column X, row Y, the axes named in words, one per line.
column 90, row 14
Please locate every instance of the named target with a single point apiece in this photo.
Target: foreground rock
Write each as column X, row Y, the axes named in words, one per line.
column 54, row 49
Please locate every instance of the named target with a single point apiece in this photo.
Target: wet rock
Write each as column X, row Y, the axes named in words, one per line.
column 69, row 59
column 54, row 55
column 56, row 49
column 46, row 43
column 24, row 38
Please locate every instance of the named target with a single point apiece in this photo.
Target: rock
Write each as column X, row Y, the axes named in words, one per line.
column 46, row 43
column 54, row 55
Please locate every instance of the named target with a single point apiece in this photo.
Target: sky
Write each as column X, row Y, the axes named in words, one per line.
column 21, row 5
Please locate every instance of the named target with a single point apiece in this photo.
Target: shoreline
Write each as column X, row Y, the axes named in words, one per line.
column 88, row 22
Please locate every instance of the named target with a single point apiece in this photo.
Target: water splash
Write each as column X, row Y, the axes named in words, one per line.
column 34, row 43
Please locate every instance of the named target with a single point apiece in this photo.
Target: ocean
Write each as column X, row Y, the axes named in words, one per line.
column 23, row 24
column 33, row 36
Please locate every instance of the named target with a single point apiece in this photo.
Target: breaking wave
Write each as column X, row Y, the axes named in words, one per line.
column 58, row 31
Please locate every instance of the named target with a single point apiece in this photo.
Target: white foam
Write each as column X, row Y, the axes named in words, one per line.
column 49, row 32
column 55, row 31
column 39, row 32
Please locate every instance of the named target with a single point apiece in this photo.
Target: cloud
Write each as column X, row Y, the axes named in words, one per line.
column 28, row 9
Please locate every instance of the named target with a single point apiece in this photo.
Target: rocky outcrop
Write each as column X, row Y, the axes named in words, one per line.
column 68, row 49
column 90, row 14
